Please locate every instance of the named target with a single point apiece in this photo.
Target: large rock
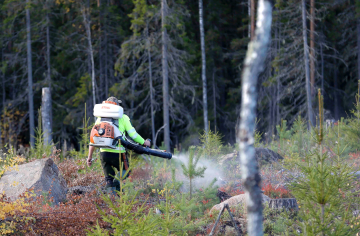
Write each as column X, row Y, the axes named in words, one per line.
column 238, row 200
column 41, row 175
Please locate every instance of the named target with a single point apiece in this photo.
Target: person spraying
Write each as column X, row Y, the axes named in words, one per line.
column 109, row 135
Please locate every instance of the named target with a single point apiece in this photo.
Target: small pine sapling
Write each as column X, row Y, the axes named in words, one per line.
column 352, row 129
column 324, row 192
column 299, row 131
column 211, row 144
column 284, row 134
column 41, row 148
column 191, row 171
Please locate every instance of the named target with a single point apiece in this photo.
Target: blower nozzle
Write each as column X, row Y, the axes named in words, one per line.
column 144, row 150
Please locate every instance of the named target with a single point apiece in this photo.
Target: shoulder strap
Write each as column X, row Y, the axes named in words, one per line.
column 114, row 121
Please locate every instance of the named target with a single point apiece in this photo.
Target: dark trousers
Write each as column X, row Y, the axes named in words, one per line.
column 111, row 161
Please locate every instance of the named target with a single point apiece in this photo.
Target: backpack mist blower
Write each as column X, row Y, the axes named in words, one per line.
column 106, row 134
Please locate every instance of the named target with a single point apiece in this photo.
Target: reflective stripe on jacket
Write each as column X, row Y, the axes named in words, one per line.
column 124, row 125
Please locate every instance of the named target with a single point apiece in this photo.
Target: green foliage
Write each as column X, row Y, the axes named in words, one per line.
column 131, row 217
column 41, row 148
column 352, row 126
column 279, row 222
column 324, row 192
column 211, row 144
column 299, row 133
column 284, row 134
column 191, row 171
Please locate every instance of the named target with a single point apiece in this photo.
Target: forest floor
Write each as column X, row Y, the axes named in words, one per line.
column 157, row 199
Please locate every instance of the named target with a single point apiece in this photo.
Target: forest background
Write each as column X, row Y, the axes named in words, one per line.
column 88, row 50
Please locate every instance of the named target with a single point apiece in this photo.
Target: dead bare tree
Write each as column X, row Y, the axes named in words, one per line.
column 165, row 75
column 307, row 69
column 312, row 47
column 30, row 79
column 47, row 122
column 253, row 66
column 87, row 23
column 203, row 67
column 358, row 45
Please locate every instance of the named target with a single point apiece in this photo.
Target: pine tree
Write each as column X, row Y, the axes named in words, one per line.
column 324, row 190
column 191, row 171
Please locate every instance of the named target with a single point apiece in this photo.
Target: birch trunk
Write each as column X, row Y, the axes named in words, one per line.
column 312, row 46
column 307, row 70
column 165, row 75
column 30, row 79
column 87, row 24
column 46, row 115
column 203, row 68
column 253, row 66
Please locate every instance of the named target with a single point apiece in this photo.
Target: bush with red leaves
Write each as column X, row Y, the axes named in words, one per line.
column 278, row 192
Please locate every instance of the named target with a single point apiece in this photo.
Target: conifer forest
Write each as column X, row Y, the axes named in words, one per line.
column 256, row 101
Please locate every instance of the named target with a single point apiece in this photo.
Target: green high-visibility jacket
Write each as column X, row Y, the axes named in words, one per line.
column 124, row 125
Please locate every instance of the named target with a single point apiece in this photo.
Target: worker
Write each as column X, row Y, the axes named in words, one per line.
column 110, row 158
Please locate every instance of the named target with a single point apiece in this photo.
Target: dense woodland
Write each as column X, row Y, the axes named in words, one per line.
column 88, row 50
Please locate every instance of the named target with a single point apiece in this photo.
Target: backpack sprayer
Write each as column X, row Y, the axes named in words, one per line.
column 107, row 133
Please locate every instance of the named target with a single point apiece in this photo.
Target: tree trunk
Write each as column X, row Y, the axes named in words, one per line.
column 249, row 14
column 214, row 97
column 358, row 46
column 151, row 88
column 48, row 125
column 278, row 83
column 46, row 116
column 203, row 68
column 87, row 24
column 101, row 59
column 307, row 70
column 106, row 53
column 253, row 66
column 312, row 46
column 322, row 69
column 252, row 14
column 3, row 95
column 165, row 75
column 30, row 79
column 336, row 98
column 190, row 189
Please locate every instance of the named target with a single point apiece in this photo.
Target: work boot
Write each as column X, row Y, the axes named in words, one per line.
column 111, row 191
column 110, row 187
